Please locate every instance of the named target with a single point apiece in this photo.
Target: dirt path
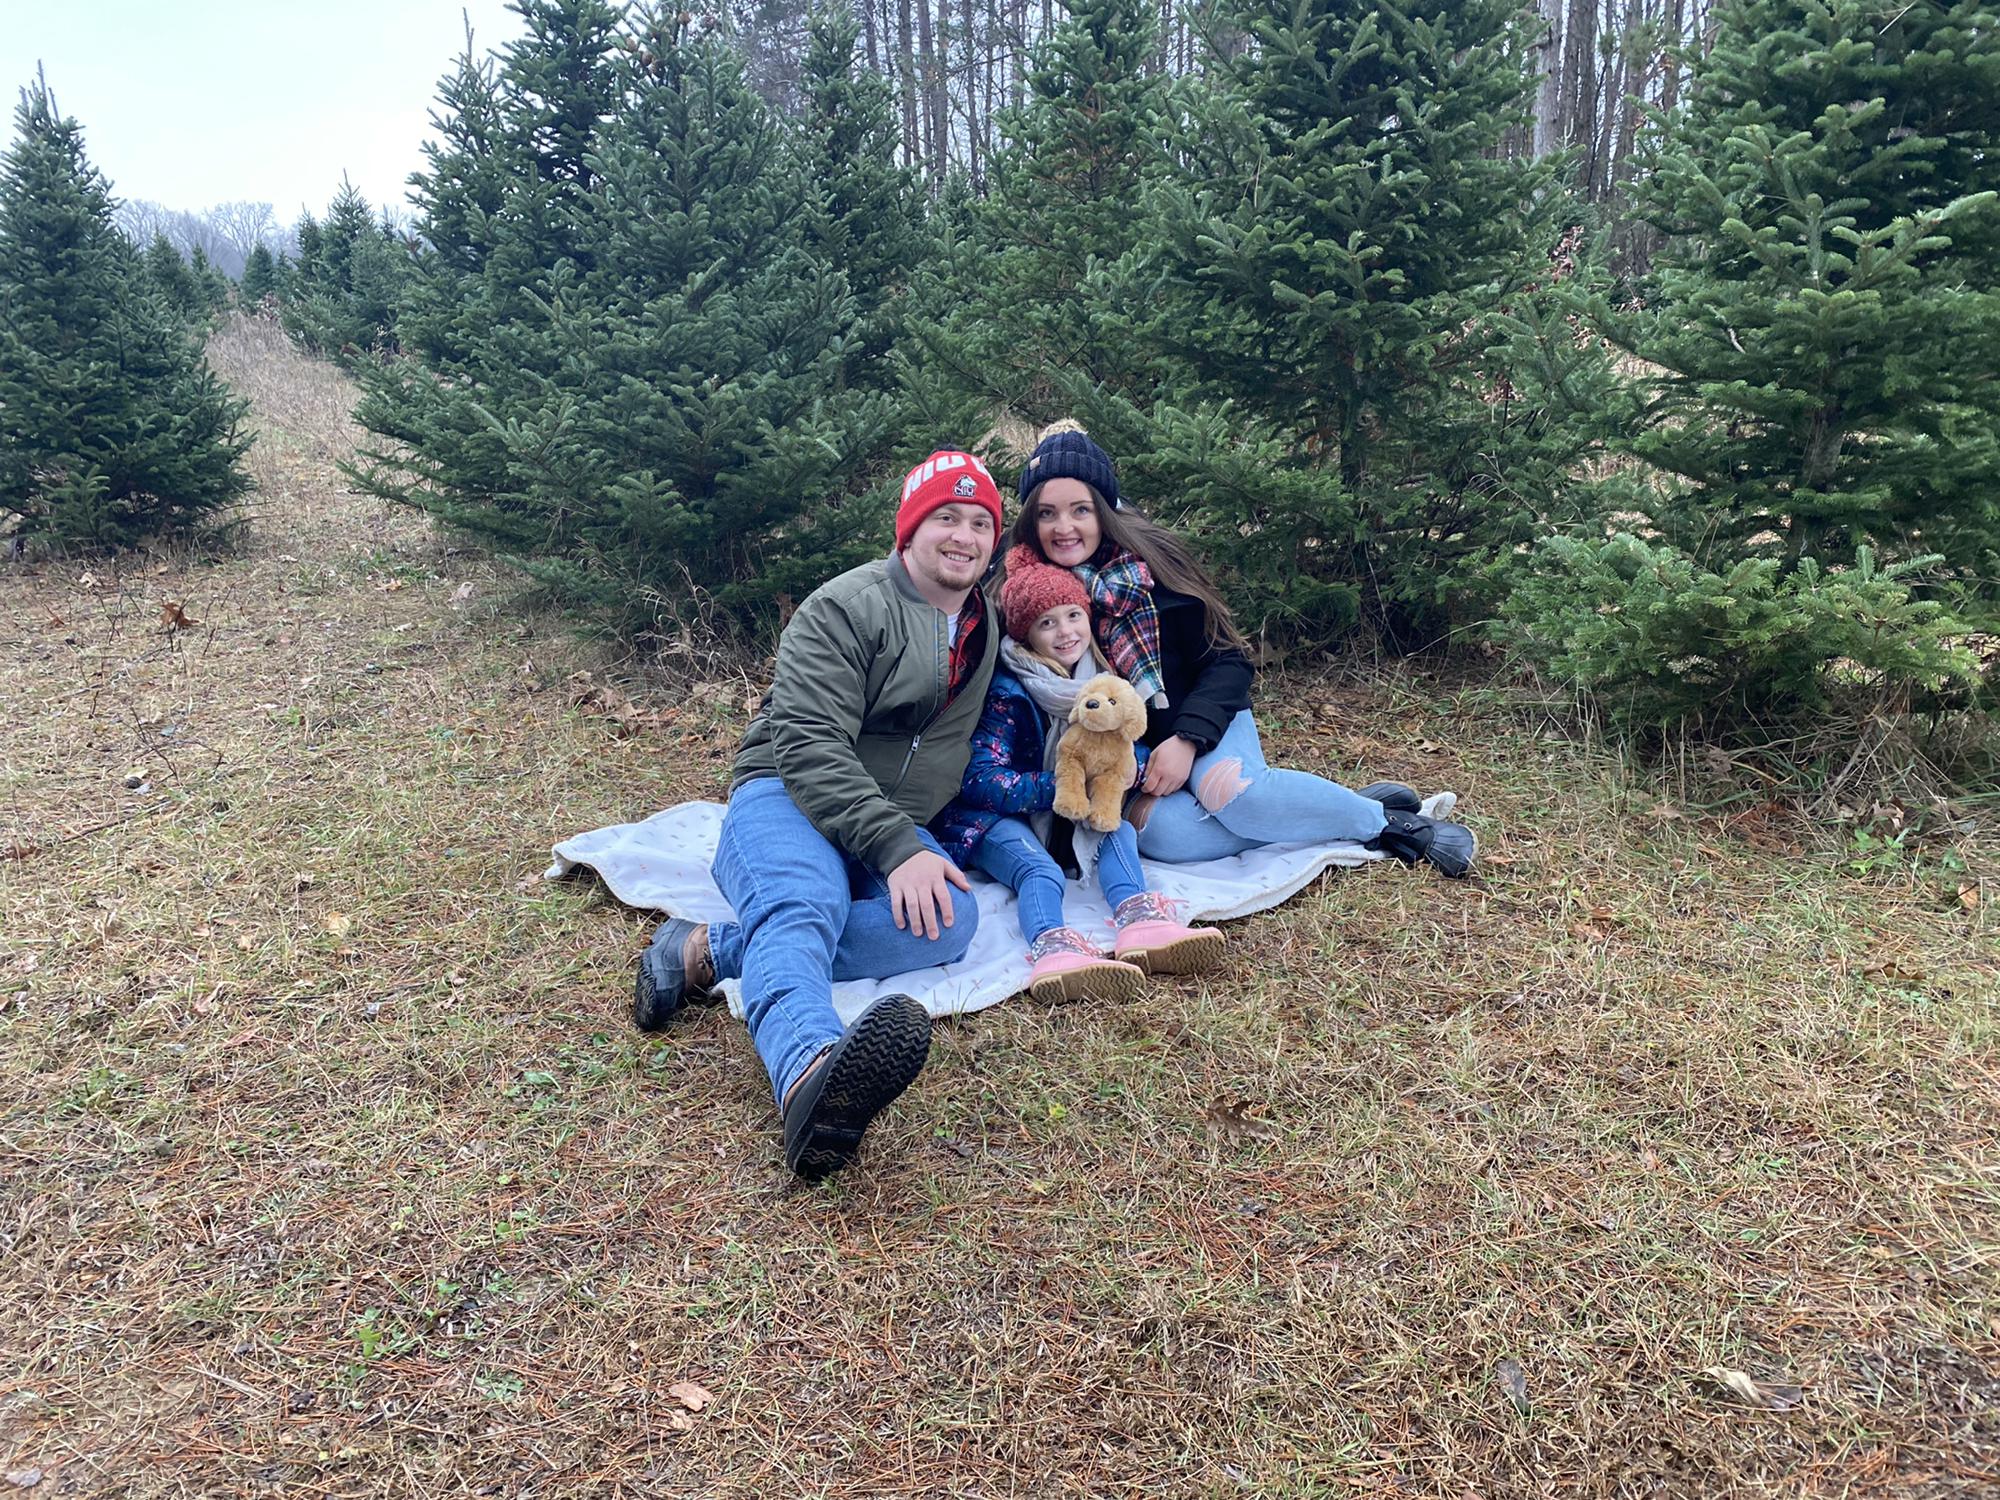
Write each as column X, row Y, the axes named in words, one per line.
column 332, row 1165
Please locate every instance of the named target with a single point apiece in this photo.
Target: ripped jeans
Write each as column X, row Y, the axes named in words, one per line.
column 1233, row 801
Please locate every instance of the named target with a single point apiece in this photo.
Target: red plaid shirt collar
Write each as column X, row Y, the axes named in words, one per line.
column 966, row 643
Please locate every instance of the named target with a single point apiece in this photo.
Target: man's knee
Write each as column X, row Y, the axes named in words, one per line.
column 956, row 939
column 813, row 920
column 1221, row 784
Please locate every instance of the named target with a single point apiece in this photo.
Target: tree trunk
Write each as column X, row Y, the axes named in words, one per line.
column 1676, row 36
column 926, row 99
column 1548, row 92
column 969, row 82
column 868, row 32
column 908, row 82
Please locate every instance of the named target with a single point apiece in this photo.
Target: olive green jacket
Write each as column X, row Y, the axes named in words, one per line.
column 856, row 722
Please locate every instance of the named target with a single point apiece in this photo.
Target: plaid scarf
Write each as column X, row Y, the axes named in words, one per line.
column 1128, row 626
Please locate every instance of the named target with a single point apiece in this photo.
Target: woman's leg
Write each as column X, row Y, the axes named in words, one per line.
column 1269, row 805
column 1178, row 830
column 1012, row 855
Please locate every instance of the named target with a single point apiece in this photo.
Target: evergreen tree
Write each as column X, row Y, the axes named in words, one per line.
column 1826, row 308
column 212, row 287
column 1032, row 298
column 260, row 277
column 629, row 363
column 112, row 428
column 175, row 283
column 867, row 216
column 352, row 280
column 1334, row 249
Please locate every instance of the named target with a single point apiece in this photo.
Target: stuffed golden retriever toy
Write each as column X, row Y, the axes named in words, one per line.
column 1095, row 763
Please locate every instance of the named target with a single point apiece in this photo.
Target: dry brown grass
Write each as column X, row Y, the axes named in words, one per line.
column 334, row 1167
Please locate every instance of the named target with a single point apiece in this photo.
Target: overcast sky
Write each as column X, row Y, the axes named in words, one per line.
column 191, row 103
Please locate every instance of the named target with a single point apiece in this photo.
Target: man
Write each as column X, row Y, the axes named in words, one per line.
column 863, row 738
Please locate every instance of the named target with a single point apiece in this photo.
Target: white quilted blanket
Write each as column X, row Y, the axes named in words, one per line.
column 662, row 865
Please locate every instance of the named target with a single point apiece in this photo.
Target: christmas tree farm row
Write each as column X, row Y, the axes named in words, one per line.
column 665, row 350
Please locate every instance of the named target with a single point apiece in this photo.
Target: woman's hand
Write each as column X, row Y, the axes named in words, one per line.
column 1167, row 770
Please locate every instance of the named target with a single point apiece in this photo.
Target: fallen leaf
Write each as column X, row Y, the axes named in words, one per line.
column 22, row 851
column 175, row 618
column 1968, row 897
column 1664, row 812
column 87, row 581
column 680, row 1421
column 1895, row 973
column 1236, row 1121
column 1755, row 1392
column 693, row 1397
column 339, row 923
column 24, row 1479
column 1428, row 747
column 462, row 593
column 1513, row 1382
column 245, row 944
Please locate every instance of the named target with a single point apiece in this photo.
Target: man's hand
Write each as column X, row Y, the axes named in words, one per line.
column 920, row 893
column 1167, row 769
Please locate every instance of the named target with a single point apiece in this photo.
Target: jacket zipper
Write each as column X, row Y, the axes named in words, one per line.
column 917, row 740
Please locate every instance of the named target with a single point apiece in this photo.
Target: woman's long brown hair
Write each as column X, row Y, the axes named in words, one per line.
column 1163, row 553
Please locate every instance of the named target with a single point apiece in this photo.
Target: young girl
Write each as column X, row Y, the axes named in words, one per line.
column 1165, row 629
column 1002, row 821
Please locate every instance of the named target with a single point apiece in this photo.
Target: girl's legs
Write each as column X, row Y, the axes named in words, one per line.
column 1149, row 936
column 1012, row 855
column 1065, row 965
column 1119, row 874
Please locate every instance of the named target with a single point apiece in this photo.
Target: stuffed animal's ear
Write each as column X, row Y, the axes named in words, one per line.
column 1135, row 713
column 1076, row 710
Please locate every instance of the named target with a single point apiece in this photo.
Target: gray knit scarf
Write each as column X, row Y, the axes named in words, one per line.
column 1055, row 695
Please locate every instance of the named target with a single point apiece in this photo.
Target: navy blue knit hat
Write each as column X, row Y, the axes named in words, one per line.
column 1066, row 452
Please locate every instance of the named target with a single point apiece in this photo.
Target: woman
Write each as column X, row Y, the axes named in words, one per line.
column 1207, row 791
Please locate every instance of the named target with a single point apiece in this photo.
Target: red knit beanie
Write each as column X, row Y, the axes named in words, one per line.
column 947, row 477
column 1032, row 588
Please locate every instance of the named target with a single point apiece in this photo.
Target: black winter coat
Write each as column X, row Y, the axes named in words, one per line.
column 1206, row 688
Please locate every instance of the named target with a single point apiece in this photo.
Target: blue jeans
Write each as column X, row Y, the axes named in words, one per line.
column 1233, row 801
column 807, row 914
column 1012, row 855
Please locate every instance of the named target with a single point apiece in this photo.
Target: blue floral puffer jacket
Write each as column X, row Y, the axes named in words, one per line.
column 1004, row 778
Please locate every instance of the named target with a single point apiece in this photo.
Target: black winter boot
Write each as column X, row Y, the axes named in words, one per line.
column 834, row 1103
column 666, row 981
column 1415, row 839
column 1394, row 796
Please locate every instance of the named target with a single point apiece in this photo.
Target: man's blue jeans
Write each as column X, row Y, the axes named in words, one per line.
column 807, row 914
